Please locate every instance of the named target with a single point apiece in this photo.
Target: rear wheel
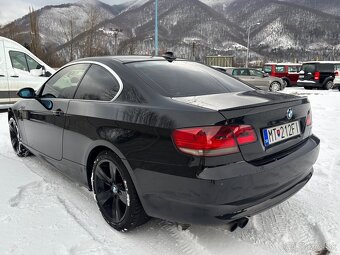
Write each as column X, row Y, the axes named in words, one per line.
column 329, row 85
column 115, row 193
column 14, row 134
column 275, row 86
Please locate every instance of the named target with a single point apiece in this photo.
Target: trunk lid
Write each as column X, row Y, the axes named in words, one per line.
column 261, row 110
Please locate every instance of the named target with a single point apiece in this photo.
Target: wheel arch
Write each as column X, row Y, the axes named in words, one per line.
column 98, row 147
column 289, row 82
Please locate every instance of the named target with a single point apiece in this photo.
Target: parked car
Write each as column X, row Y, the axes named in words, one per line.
column 19, row 68
column 288, row 72
column 317, row 74
column 257, row 78
column 167, row 138
column 337, row 76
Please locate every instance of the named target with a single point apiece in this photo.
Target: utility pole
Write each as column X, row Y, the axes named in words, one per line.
column 248, row 44
column 156, row 27
column 193, row 50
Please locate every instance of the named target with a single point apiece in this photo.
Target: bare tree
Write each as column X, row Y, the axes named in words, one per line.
column 90, row 27
column 69, row 33
column 34, row 32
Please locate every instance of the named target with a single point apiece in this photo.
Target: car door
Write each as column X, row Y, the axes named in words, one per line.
column 99, row 86
column 243, row 74
column 4, row 92
column 44, row 127
column 20, row 66
column 258, row 79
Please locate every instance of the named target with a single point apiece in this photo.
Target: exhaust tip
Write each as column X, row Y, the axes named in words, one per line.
column 242, row 223
column 233, row 227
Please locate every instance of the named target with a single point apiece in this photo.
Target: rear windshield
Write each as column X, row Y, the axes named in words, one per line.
column 267, row 69
column 309, row 68
column 184, row 78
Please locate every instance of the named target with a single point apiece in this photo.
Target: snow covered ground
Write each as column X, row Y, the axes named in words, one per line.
column 42, row 212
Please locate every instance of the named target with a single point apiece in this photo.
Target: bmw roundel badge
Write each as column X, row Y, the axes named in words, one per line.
column 290, row 114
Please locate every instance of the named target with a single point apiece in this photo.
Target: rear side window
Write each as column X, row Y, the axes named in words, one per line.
column 241, row 72
column 183, row 78
column 326, row 68
column 98, row 84
column 309, row 68
column 293, row 69
column 267, row 69
column 280, row 69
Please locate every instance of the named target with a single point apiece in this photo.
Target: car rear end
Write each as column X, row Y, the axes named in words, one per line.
column 337, row 76
column 258, row 151
column 316, row 74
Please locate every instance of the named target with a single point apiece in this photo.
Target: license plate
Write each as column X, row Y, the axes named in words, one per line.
column 280, row 133
column 301, row 77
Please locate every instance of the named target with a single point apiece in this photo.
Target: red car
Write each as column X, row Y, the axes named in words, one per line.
column 288, row 72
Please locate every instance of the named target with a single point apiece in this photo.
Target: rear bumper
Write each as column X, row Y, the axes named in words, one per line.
column 226, row 193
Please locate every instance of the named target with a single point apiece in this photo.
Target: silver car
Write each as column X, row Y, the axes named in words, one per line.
column 255, row 77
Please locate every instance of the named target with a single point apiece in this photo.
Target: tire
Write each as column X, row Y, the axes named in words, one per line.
column 329, row 85
column 286, row 83
column 339, row 88
column 115, row 193
column 14, row 132
column 275, row 86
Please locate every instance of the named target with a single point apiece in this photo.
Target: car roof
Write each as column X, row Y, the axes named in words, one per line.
column 322, row 62
column 286, row 64
column 124, row 59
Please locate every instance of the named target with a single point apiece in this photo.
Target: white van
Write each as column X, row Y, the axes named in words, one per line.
column 19, row 68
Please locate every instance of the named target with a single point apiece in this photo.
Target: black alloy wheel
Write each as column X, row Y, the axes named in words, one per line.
column 115, row 193
column 14, row 133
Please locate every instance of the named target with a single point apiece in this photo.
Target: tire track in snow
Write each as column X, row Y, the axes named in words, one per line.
column 187, row 241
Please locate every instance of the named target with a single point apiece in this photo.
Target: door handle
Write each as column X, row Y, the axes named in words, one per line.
column 1, row 75
column 58, row 112
column 15, row 76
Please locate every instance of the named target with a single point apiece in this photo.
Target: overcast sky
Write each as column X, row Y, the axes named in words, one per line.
column 13, row 9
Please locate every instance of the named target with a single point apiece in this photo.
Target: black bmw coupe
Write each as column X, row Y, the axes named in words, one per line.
column 166, row 138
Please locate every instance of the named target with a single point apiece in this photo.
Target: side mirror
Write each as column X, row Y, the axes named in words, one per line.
column 36, row 72
column 47, row 74
column 27, row 93
column 265, row 75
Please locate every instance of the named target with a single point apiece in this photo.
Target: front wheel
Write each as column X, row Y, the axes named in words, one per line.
column 339, row 88
column 14, row 134
column 275, row 86
column 115, row 193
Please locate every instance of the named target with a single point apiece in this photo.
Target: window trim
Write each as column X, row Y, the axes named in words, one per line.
column 115, row 75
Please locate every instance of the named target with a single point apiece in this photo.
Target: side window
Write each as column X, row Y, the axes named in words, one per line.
column 293, row 69
column 32, row 64
column 98, row 84
column 64, row 83
column 254, row 72
column 279, row 69
column 18, row 60
column 241, row 72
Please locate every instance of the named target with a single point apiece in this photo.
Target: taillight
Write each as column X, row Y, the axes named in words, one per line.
column 317, row 76
column 213, row 141
column 309, row 119
column 336, row 73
